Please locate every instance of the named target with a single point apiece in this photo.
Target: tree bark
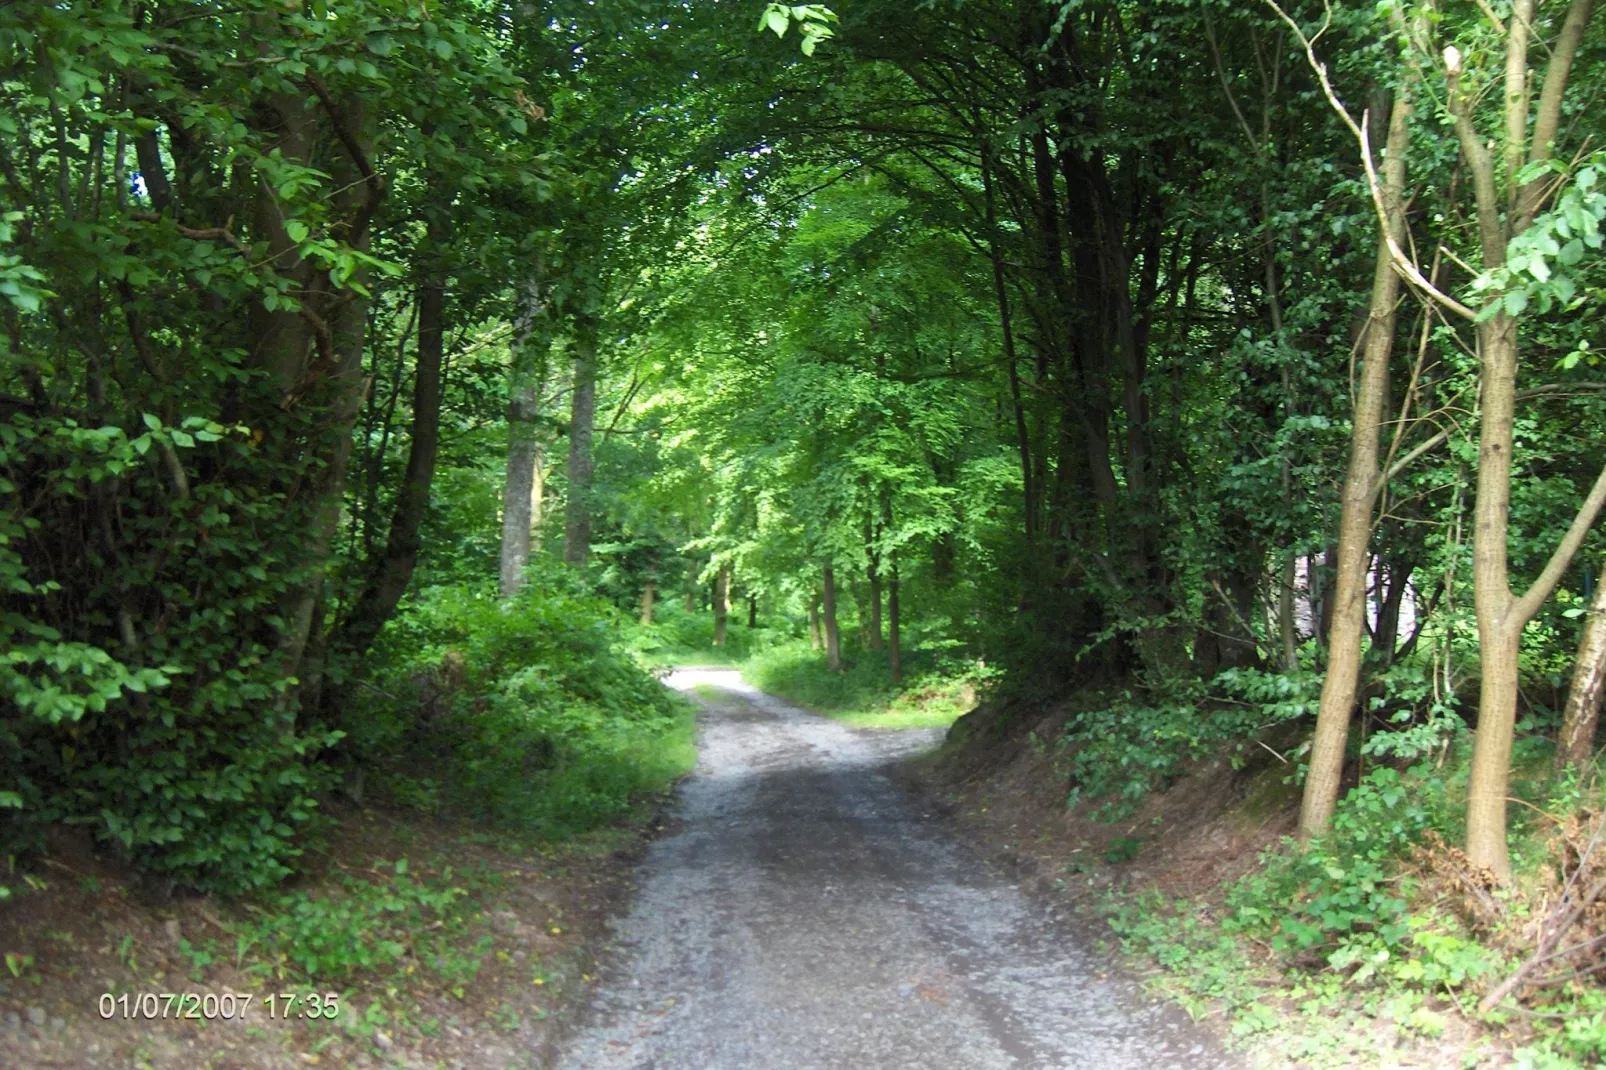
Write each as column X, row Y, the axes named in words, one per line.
column 815, row 639
column 1501, row 614
column 647, row 595
column 1342, row 681
column 833, row 637
column 577, row 525
column 873, row 634
column 519, row 487
column 1001, row 294
column 319, row 364
column 388, row 579
column 722, row 604
column 1575, row 745
column 894, row 632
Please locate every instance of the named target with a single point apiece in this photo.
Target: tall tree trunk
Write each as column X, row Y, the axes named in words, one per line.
column 816, row 641
column 873, row 634
column 519, row 487
column 1575, row 745
column 390, row 575
column 1501, row 614
column 894, row 632
column 995, row 254
column 325, row 369
column 1499, row 629
column 1361, row 488
column 833, row 637
column 577, row 526
column 722, row 602
column 537, row 495
column 647, row 595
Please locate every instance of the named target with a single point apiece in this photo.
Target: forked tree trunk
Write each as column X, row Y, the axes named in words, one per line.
column 647, row 595
column 1501, row 614
column 833, row 638
column 1575, row 745
column 577, row 526
column 894, row 633
column 343, row 386
column 388, row 579
column 722, row 603
column 1340, row 685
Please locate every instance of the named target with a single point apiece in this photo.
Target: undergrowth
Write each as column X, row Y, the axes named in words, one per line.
column 934, row 693
column 680, row 638
column 366, row 924
column 1380, row 921
column 529, row 714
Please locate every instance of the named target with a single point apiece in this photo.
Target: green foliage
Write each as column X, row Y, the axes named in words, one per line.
column 1346, row 884
column 363, row 926
column 213, row 781
column 676, row 637
column 1130, row 744
column 935, row 692
column 528, row 712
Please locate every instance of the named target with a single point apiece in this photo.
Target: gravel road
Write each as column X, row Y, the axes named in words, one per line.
column 805, row 912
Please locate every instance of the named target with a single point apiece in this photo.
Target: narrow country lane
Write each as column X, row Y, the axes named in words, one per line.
column 806, row 913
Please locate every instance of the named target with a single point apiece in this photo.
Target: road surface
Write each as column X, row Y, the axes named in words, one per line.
column 805, row 913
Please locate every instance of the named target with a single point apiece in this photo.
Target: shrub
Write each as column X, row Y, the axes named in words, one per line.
column 527, row 711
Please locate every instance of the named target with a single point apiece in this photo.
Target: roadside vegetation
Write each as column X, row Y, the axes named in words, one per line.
column 1210, row 392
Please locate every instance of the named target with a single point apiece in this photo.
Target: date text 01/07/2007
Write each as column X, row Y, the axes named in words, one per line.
column 212, row 1005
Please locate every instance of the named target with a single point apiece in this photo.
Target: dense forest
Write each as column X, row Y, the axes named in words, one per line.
column 386, row 386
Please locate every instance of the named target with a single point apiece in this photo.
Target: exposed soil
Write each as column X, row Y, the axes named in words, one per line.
column 92, row 927
column 1007, row 789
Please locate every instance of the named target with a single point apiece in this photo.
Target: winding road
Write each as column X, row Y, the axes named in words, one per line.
column 805, row 912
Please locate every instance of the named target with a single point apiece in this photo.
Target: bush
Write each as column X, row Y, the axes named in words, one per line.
column 676, row 637
column 526, row 712
column 175, row 742
column 935, row 691
column 1132, row 743
column 1346, row 883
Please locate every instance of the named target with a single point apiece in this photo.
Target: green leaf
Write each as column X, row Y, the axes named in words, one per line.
column 297, row 231
column 151, row 421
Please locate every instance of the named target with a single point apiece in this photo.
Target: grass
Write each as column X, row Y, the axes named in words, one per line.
column 863, row 695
